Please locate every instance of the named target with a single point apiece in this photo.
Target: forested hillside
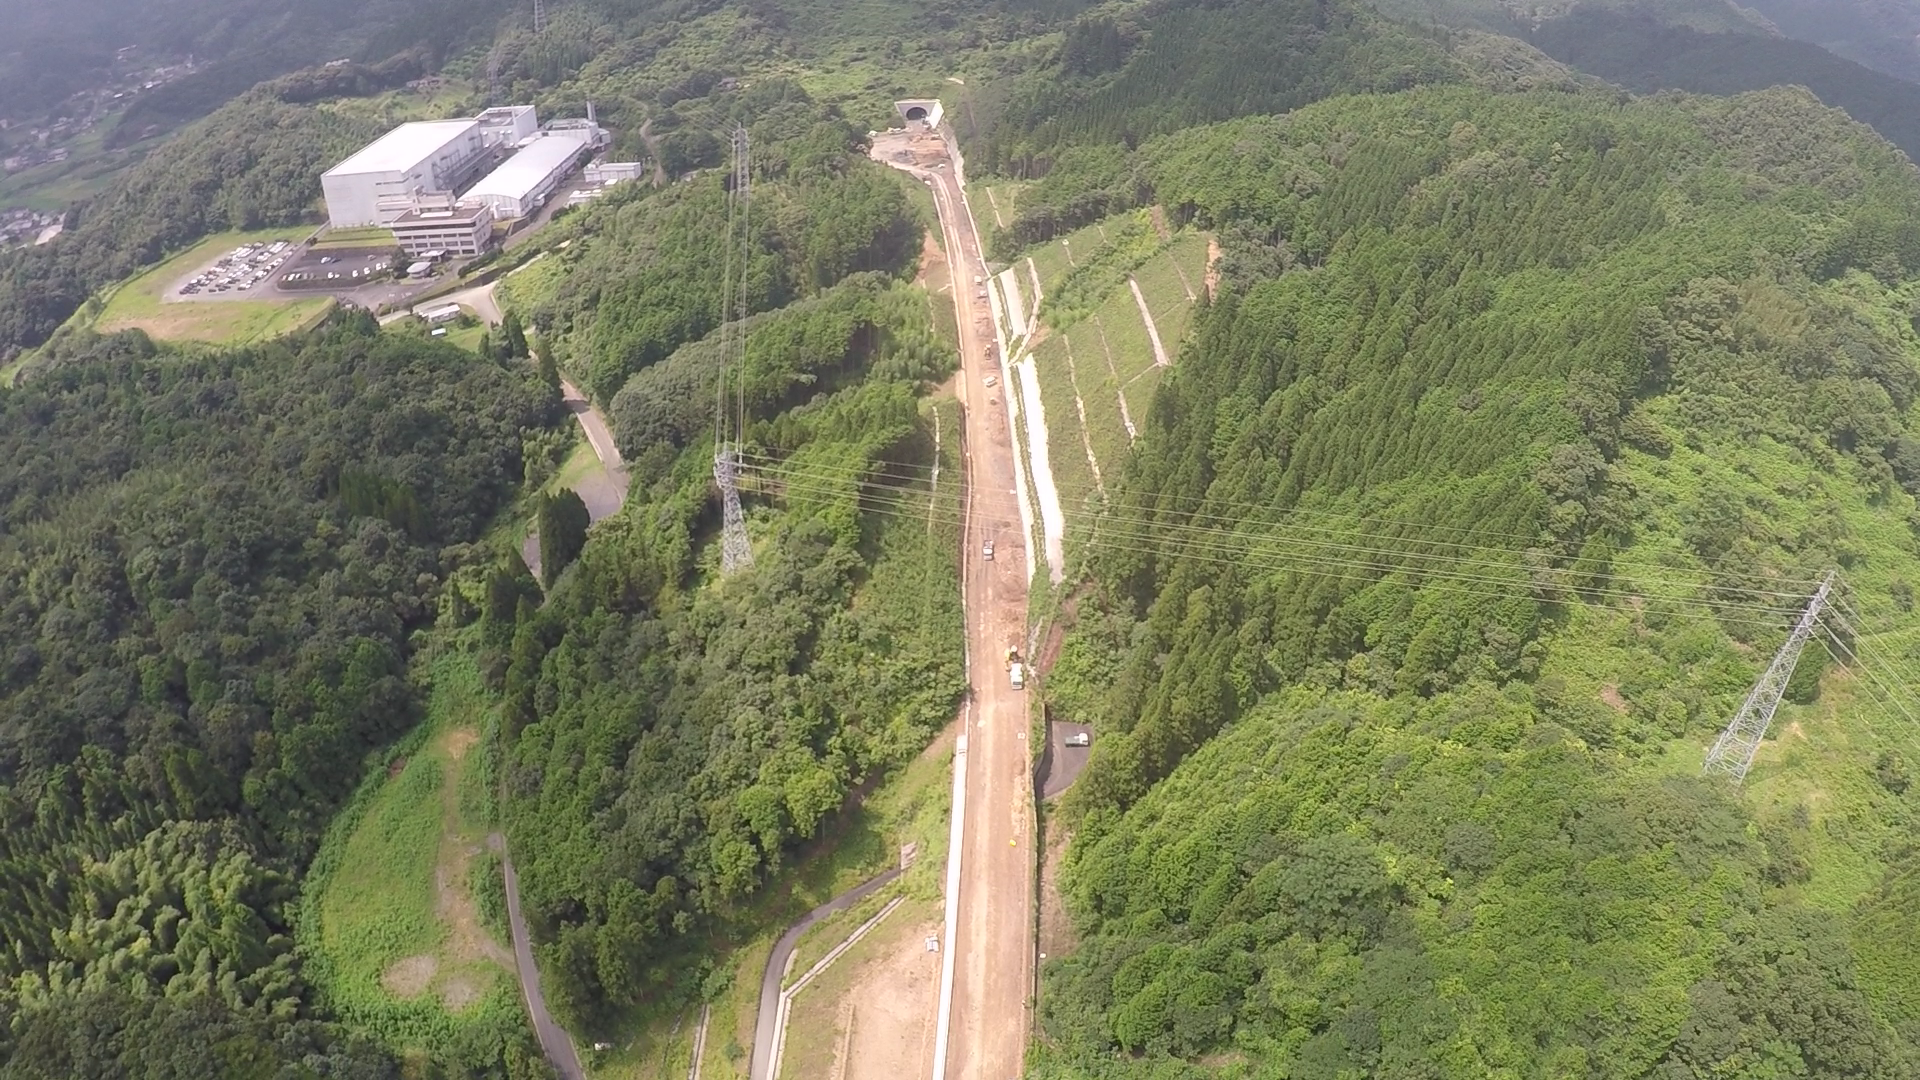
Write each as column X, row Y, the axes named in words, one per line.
column 210, row 571
column 1882, row 34
column 1523, row 426
column 1645, row 53
column 52, row 51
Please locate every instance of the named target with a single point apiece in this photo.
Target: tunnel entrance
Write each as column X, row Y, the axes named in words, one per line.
column 916, row 112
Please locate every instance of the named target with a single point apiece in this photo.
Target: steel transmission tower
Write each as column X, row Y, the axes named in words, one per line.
column 1733, row 751
column 539, row 16
column 729, row 417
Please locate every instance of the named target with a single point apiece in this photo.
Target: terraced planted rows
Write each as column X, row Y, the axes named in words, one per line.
column 1068, row 446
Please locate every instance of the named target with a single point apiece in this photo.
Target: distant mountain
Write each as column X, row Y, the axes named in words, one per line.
column 52, row 51
column 1882, row 34
column 1641, row 52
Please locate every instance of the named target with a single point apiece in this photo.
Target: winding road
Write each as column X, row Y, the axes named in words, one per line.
column 766, row 1022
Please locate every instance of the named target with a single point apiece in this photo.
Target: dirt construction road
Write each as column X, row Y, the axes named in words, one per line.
column 993, row 970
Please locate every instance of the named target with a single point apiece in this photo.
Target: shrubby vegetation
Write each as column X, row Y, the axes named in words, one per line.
column 211, row 567
column 1481, row 363
column 674, row 736
column 649, row 274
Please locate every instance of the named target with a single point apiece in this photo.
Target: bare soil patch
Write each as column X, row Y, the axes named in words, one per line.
column 461, row 740
column 410, row 978
column 1213, row 266
column 1057, row 632
column 1610, row 694
column 399, row 766
column 1159, row 216
column 890, row 1010
column 458, row 993
column 931, row 259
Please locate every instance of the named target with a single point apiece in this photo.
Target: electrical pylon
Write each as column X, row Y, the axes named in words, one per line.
column 539, row 16
column 1733, row 751
column 729, row 418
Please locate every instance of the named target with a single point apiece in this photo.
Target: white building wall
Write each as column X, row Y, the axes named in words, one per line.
column 376, row 197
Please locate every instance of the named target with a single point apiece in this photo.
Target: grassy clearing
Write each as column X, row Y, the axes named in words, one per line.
column 1126, row 334
column 531, row 285
column 1067, row 444
column 394, row 935
column 356, row 238
column 1100, row 390
column 138, row 303
column 1059, row 258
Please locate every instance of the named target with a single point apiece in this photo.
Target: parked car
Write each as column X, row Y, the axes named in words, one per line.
column 986, row 551
column 1080, row 738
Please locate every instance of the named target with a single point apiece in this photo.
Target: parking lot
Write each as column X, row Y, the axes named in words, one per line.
column 238, row 273
column 336, row 270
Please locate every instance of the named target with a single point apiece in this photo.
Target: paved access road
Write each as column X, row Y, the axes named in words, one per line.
column 776, row 971
column 993, row 973
column 553, row 1038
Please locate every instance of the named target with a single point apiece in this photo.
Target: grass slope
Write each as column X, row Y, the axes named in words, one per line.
column 390, row 922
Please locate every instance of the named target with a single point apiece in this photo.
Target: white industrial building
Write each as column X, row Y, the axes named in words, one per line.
column 442, row 227
column 520, row 185
column 378, row 184
column 507, row 126
column 613, row 172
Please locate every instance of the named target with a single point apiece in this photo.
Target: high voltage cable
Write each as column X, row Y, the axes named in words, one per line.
column 903, row 504
column 1392, row 560
column 1714, row 580
column 1862, row 644
column 1880, row 689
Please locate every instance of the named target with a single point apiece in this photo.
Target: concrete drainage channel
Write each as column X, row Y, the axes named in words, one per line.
column 787, row 995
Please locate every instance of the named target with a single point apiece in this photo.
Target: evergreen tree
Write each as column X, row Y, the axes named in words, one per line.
column 563, row 533
column 514, row 336
column 549, row 371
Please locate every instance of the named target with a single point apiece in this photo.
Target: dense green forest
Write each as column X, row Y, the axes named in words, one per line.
column 1520, row 430
column 211, row 569
column 648, row 272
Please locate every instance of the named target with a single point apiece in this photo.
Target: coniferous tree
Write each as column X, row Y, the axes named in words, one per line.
column 514, row 336
column 563, row 533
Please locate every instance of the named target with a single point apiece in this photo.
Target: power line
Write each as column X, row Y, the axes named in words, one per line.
column 894, row 502
column 1346, row 524
column 736, row 549
column 1153, row 539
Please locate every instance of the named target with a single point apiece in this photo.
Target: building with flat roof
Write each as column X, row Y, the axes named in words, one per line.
column 613, row 172
column 442, row 226
column 521, row 184
column 378, row 184
column 507, row 126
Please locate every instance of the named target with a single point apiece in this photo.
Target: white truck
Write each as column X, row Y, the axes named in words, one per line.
column 1018, row 672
